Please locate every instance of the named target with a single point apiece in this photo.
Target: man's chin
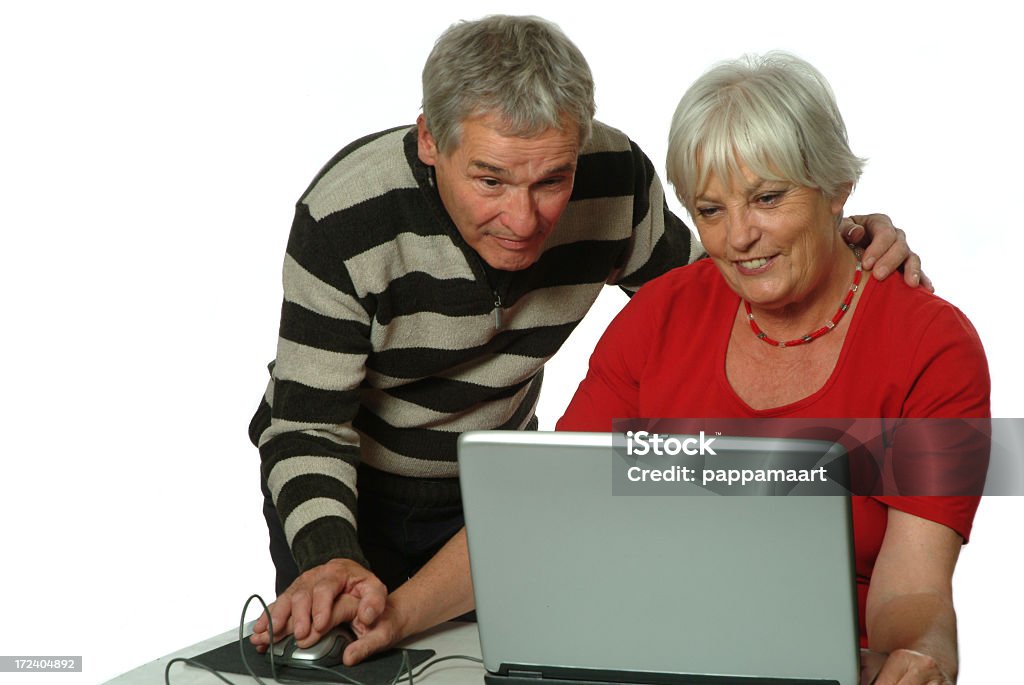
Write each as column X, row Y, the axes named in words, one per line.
column 510, row 262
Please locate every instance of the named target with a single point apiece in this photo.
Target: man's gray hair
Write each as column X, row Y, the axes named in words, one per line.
column 774, row 113
column 523, row 69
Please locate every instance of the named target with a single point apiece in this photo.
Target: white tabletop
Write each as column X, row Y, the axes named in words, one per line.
column 447, row 639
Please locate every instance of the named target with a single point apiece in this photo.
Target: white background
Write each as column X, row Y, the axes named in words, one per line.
column 151, row 156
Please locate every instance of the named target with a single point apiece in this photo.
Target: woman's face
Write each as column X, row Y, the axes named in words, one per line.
column 773, row 241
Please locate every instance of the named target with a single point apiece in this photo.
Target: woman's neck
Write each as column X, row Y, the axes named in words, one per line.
column 800, row 318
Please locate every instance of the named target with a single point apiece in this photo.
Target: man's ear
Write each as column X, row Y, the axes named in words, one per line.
column 426, row 146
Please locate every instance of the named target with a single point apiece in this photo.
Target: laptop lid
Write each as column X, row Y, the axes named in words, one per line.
column 574, row 583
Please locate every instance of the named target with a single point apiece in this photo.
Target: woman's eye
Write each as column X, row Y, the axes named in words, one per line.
column 768, row 198
column 707, row 212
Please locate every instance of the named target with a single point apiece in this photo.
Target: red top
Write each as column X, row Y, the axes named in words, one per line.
column 907, row 353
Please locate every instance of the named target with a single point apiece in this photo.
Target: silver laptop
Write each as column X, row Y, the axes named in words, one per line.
column 576, row 585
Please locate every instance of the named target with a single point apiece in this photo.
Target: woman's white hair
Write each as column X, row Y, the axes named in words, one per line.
column 775, row 113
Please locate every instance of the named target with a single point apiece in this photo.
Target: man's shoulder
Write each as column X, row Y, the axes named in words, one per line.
column 366, row 169
column 611, row 167
column 605, row 138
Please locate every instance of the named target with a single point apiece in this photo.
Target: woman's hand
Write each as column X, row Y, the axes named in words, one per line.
column 439, row 592
column 907, row 667
column 390, row 628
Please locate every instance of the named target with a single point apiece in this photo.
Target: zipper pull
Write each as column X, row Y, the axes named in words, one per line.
column 497, row 311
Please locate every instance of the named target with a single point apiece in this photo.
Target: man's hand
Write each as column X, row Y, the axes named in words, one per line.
column 907, row 667
column 887, row 248
column 336, row 592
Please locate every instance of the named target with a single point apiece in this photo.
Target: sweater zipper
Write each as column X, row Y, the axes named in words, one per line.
column 445, row 218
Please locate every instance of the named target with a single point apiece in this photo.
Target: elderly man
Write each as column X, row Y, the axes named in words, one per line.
column 430, row 273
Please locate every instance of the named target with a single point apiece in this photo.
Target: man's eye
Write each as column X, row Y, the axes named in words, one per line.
column 490, row 182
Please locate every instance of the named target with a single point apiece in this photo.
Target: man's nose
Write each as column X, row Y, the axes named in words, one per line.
column 520, row 214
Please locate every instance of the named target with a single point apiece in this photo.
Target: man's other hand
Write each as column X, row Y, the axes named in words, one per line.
column 886, row 248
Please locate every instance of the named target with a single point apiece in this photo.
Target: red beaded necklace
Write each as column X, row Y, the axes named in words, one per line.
column 814, row 335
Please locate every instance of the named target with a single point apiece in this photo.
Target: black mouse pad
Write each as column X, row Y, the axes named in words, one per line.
column 379, row 669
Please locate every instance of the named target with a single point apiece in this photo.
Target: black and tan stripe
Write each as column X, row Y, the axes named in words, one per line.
column 388, row 348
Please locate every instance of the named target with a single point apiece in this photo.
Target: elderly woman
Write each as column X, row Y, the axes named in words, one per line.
column 780, row 323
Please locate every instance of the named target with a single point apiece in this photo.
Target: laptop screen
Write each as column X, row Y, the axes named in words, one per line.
column 572, row 579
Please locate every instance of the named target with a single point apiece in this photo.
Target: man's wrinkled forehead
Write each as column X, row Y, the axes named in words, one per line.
column 506, row 127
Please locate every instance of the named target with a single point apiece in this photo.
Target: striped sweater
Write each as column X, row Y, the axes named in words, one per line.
column 395, row 337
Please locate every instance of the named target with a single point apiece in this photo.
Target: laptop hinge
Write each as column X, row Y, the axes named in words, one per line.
column 525, row 674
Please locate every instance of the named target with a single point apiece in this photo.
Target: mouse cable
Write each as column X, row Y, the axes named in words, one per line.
column 241, row 639
column 410, row 674
column 241, row 650
column 191, row 662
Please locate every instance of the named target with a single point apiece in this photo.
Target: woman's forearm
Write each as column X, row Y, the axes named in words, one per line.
column 910, row 612
column 440, row 591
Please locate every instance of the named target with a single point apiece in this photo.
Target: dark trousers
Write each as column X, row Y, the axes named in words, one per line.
column 403, row 522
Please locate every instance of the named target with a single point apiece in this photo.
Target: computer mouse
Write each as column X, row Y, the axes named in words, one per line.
column 326, row 653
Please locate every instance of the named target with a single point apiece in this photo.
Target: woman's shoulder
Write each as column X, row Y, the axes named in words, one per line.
column 926, row 341
column 901, row 308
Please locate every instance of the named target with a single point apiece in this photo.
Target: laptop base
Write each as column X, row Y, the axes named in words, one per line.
column 571, row 676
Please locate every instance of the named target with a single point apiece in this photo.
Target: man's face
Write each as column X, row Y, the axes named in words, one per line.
column 504, row 193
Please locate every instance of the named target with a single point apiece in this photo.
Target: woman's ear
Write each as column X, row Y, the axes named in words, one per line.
column 838, row 201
